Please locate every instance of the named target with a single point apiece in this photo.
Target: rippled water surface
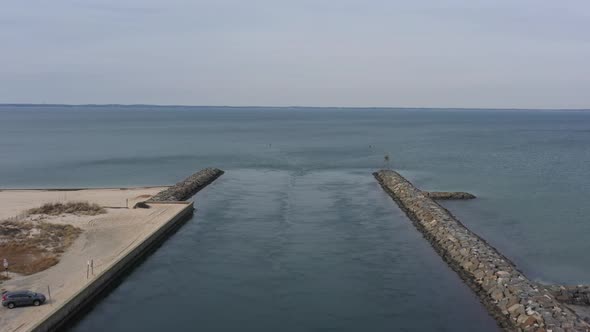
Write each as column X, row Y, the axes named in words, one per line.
column 297, row 236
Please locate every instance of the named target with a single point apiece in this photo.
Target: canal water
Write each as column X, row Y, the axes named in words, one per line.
column 292, row 251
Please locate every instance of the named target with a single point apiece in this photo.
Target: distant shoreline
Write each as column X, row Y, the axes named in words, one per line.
column 24, row 105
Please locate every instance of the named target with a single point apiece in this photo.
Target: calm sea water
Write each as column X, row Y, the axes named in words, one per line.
column 297, row 236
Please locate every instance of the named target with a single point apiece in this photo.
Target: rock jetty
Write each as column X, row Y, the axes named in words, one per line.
column 516, row 303
column 442, row 195
column 186, row 188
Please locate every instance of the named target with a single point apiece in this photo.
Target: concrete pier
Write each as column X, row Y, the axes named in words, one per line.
column 101, row 283
column 517, row 303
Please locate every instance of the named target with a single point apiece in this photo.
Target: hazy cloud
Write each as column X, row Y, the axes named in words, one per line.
column 456, row 53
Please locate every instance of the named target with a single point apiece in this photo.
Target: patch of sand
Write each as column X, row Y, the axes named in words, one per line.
column 13, row 202
column 104, row 239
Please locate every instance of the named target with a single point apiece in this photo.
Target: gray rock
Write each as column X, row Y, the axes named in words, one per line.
column 442, row 195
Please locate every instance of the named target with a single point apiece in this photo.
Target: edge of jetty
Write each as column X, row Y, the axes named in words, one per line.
column 516, row 303
column 103, row 282
column 188, row 187
column 448, row 195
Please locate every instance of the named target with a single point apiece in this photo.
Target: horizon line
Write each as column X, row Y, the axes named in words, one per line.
column 292, row 106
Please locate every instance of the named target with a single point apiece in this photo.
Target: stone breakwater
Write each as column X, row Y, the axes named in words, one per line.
column 186, row 188
column 514, row 301
column 449, row 195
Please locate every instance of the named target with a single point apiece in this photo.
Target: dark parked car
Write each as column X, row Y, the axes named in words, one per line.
column 22, row 298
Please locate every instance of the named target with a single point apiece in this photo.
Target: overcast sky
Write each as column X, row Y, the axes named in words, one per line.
column 459, row 53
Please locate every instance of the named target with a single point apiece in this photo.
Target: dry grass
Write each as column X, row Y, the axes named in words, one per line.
column 25, row 259
column 80, row 208
column 32, row 247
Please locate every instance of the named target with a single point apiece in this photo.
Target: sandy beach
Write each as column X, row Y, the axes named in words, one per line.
column 104, row 239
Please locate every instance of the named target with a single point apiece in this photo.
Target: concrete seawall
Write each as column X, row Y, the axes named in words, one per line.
column 62, row 314
column 517, row 303
column 65, row 312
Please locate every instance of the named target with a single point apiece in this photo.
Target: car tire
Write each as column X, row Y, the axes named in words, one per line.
column 36, row 303
column 10, row 305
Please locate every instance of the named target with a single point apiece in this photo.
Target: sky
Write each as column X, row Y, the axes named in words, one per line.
column 371, row 53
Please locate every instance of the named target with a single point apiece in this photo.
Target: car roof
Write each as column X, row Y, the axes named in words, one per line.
column 18, row 292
